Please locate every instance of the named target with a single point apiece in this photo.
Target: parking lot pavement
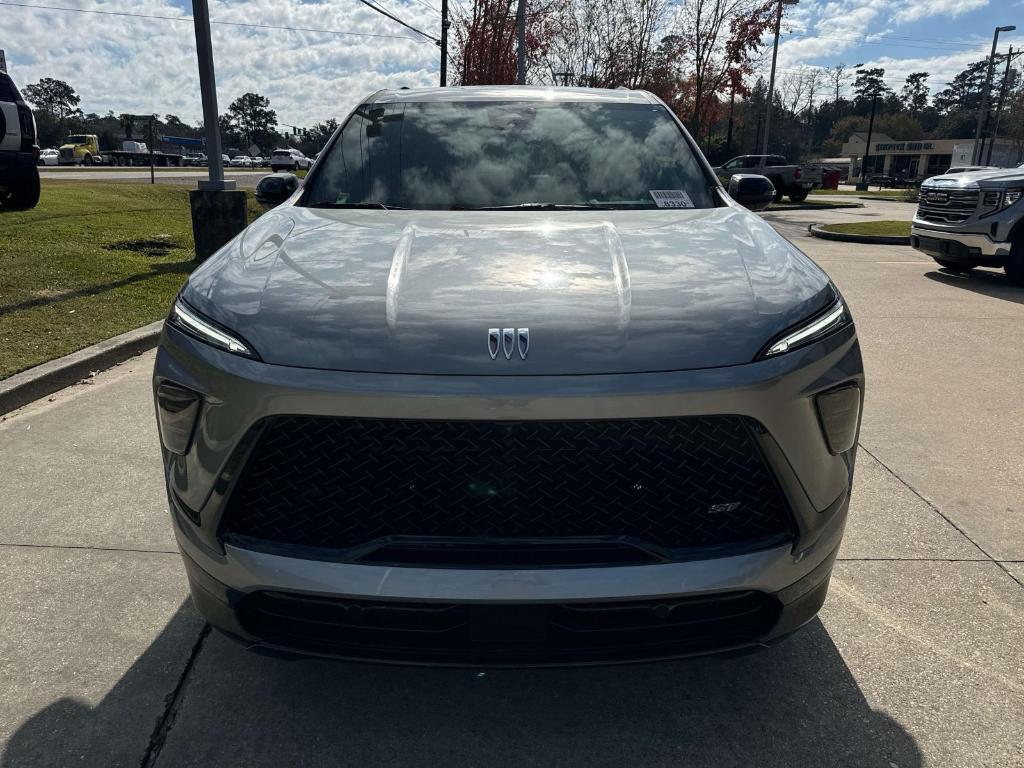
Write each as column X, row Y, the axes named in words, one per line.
column 916, row 659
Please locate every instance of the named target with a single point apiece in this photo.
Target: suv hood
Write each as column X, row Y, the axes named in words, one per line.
column 417, row 291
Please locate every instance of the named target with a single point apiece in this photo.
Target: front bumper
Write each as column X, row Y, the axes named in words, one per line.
column 957, row 245
column 778, row 393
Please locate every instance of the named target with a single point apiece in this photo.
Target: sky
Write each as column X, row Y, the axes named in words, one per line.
column 148, row 65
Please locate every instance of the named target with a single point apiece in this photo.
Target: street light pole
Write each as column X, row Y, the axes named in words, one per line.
column 983, row 110
column 771, row 80
column 208, row 91
column 867, row 146
column 521, row 43
column 1002, row 99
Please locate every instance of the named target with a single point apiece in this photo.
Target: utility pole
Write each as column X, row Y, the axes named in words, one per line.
column 867, row 147
column 1002, row 98
column 983, row 109
column 521, row 43
column 732, row 106
column 444, row 42
column 771, row 80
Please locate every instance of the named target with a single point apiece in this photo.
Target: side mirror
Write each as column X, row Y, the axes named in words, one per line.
column 276, row 188
column 751, row 190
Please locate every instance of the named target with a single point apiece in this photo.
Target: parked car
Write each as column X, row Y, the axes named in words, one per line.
column 195, row 160
column 792, row 180
column 241, row 161
column 973, row 219
column 19, row 175
column 48, row 157
column 509, row 381
column 288, row 160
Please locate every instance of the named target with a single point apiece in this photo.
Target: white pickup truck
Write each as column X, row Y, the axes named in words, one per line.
column 794, row 181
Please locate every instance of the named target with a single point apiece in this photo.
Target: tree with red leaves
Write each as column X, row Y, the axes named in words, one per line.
column 486, row 40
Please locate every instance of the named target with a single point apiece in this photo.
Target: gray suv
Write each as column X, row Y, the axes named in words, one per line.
column 509, row 379
column 973, row 219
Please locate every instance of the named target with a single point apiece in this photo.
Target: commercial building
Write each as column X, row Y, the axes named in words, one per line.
column 917, row 160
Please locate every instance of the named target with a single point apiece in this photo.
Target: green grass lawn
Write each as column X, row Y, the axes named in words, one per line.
column 92, row 260
column 888, row 228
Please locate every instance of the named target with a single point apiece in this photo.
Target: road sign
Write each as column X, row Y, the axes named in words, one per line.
column 253, row 150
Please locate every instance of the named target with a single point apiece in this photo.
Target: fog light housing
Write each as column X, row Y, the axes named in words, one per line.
column 177, row 409
column 839, row 412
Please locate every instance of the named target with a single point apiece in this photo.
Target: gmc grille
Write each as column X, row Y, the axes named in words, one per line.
column 947, row 206
column 363, row 485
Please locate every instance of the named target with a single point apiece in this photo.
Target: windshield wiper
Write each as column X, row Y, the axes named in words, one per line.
column 534, row 207
column 329, row 204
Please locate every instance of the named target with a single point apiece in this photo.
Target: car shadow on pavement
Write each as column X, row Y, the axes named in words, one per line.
column 983, row 281
column 796, row 704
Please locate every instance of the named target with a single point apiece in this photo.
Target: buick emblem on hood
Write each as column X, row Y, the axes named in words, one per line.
column 507, row 341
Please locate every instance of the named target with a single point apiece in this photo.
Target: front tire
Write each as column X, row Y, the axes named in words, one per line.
column 87, row 160
column 780, row 190
column 960, row 267
column 25, row 194
column 1015, row 262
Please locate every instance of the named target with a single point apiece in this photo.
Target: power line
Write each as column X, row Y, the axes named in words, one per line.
column 875, row 38
column 429, row 6
column 212, row 21
column 394, row 18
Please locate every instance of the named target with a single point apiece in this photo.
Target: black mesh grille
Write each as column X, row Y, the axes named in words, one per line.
column 341, row 483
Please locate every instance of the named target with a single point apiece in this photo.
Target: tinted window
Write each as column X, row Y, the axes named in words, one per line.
column 7, row 90
column 439, row 155
column 75, row 140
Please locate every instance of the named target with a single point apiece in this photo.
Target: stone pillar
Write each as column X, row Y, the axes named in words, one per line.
column 217, row 216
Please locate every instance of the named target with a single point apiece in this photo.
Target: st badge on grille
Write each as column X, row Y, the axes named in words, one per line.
column 507, row 341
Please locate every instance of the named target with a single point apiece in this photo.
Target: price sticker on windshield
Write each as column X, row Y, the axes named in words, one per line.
column 671, row 198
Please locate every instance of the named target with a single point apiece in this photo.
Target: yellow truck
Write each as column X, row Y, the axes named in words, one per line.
column 84, row 149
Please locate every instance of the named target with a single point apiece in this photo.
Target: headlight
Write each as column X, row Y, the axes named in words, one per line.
column 1011, row 196
column 819, row 326
column 186, row 319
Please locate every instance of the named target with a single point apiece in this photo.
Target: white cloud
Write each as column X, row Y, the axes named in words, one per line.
column 922, row 9
column 147, row 65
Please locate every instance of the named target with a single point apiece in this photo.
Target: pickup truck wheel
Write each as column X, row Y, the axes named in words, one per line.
column 25, row 194
column 799, row 197
column 1015, row 263
column 87, row 160
column 780, row 190
column 960, row 267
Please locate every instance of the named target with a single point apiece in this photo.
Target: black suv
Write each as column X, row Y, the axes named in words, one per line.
column 19, row 176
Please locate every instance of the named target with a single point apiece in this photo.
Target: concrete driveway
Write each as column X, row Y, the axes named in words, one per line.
column 917, row 658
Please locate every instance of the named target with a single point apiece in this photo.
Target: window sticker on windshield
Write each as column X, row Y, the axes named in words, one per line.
column 671, row 198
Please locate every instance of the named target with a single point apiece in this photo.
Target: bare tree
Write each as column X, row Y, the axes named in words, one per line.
column 604, row 43
column 837, row 75
column 719, row 39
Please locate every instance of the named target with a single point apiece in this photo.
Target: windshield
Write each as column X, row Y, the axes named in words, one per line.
column 75, row 140
column 443, row 155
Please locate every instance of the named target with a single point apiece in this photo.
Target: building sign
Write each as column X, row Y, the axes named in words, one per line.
column 904, row 146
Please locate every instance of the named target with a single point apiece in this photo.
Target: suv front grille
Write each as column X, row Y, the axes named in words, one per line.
column 340, row 484
column 508, row 634
column 947, row 206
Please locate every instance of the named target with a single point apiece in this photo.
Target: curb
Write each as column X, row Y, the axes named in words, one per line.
column 890, row 199
column 815, row 207
column 817, row 230
column 42, row 380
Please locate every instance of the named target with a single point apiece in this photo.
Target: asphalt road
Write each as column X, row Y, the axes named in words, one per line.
column 916, row 660
column 245, row 177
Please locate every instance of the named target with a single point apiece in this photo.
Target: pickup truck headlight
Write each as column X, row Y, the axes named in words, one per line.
column 1011, row 196
column 186, row 319
column 817, row 327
